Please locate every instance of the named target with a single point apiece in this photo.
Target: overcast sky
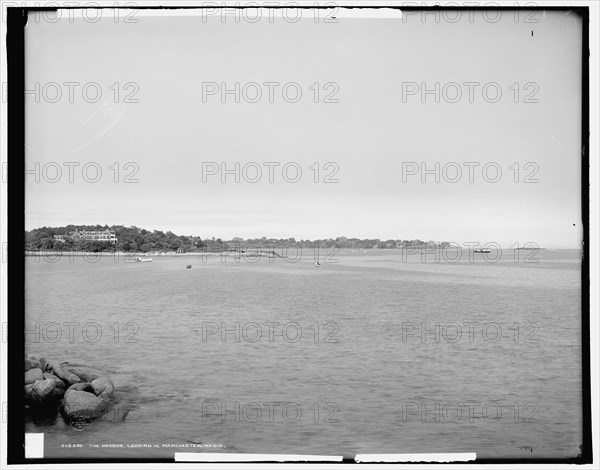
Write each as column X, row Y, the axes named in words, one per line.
column 368, row 134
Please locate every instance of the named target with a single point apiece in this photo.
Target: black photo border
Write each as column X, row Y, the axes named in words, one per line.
column 15, row 41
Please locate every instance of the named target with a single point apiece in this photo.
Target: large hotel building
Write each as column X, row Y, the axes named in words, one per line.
column 91, row 235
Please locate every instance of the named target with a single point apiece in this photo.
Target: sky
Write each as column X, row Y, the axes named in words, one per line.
column 154, row 153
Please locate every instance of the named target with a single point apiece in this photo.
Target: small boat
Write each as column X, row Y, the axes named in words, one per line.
column 317, row 264
column 143, row 259
column 189, row 266
column 481, row 250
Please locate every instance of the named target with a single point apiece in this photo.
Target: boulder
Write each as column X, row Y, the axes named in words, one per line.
column 43, row 393
column 29, row 364
column 40, row 361
column 103, row 385
column 82, row 387
column 32, row 375
column 49, row 376
column 65, row 375
column 77, row 404
column 106, row 396
column 87, row 374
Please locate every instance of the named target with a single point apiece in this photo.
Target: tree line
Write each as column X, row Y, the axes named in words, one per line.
column 135, row 239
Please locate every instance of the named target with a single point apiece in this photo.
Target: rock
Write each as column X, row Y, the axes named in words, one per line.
column 87, row 374
column 103, row 385
column 29, row 364
column 77, row 404
column 43, row 393
column 66, row 376
column 59, row 383
column 108, row 397
column 82, row 387
column 40, row 361
column 32, row 375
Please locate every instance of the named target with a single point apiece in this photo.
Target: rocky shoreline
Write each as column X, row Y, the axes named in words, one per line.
column 78, row 392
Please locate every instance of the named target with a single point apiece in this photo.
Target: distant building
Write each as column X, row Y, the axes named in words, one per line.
column 89, row 235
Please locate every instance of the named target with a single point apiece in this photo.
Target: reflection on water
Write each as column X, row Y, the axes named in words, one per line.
column 367, row 355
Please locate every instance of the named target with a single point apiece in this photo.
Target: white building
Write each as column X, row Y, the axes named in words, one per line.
column 91, row 235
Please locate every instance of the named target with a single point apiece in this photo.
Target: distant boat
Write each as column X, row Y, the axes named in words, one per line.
column 189, row 266
column 481, row 250
column 143, row 259
column 317, row 264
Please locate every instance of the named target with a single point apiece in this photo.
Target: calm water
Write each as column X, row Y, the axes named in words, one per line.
column 361, row 394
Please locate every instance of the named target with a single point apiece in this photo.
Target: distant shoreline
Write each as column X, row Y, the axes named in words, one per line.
column 248, row 252
column 126, row 253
